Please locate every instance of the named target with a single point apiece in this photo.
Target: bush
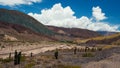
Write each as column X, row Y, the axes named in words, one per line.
column 72, row 67
column 68, row 66
column 7, row 60
column 99, row 49
column 1, row 59
column 88, row 54
column 23, row 58
column 29, row 65
column 1, row 66
column 2, row 46
column 107, row 47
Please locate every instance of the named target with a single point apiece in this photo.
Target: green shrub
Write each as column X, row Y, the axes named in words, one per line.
column 56, row 54
column 88, row 54
column 1, row 66
column 2, row 46
column 68, row 66
column 99, row 49
column 72, row 67
column 29, row 65
column 7, row 60
column 23, row 58
column 1, row 59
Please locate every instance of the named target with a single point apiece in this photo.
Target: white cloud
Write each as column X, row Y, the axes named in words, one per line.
column 102, row 26
column 17, row 2
column 64, row 17
column 98, row 14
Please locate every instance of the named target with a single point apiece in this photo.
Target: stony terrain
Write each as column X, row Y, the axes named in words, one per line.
column 27, row 47
column 43, row 56
column 110, row 62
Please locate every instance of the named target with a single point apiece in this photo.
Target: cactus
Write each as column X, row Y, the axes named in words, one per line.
column 31, row 54
column 15, row 58
column 9, row 55
column 93, row 49
column 99, row 49
column 19, row 58
column 56, row 54
column 75, row 50
column 87, row 49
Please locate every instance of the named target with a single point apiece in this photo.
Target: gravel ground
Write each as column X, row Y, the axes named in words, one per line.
column 109, row 58
column 110, row 62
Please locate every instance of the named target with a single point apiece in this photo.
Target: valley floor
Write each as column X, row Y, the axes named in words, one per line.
column 44, row 56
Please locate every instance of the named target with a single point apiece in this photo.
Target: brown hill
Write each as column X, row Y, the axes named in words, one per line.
column 73, row 33
column 18, row 32
column 112, row 39
column 20, row 18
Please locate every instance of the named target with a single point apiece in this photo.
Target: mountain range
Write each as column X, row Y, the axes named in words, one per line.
column 15, row 25
column 73, row 33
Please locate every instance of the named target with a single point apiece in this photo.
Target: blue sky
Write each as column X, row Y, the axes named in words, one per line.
column 83, row 10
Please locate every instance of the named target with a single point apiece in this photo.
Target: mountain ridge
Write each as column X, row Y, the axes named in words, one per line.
column 16, row 17
column 73, row 33
column 21, row 33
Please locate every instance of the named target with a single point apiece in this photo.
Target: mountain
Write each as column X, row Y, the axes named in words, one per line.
column 73, row 33
column 18, row 25
column 111, row 39
column 15, row 32
column 16, row 17
column 106, row 33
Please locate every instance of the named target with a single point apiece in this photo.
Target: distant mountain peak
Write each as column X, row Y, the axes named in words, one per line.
column 106, row 33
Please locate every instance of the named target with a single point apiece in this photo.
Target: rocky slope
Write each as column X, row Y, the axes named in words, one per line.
column 17, row 17
column 105, row 39
column 15, row 32
column 73, row 33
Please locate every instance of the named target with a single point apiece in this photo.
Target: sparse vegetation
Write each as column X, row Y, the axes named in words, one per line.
column 23, row 58
column 101, row 39
column 99, row 49
column 29, row 65
column 107, row 46
column 6, row 60
column 56, row 54
column 106, row 37
column 1, row 66
column 88, row 54
column 93, row 49
column 75, row 50
column 3, row 46
column 67, row 66
column 116, row 42
column 17, row 57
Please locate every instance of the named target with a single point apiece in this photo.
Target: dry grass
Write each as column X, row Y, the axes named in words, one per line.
column 67, row 66
column 116, row 42
column 107, row 47
column 29, row 65
column 98, row 38
column 88, row 54
column 45, row 58
column 106, row 37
